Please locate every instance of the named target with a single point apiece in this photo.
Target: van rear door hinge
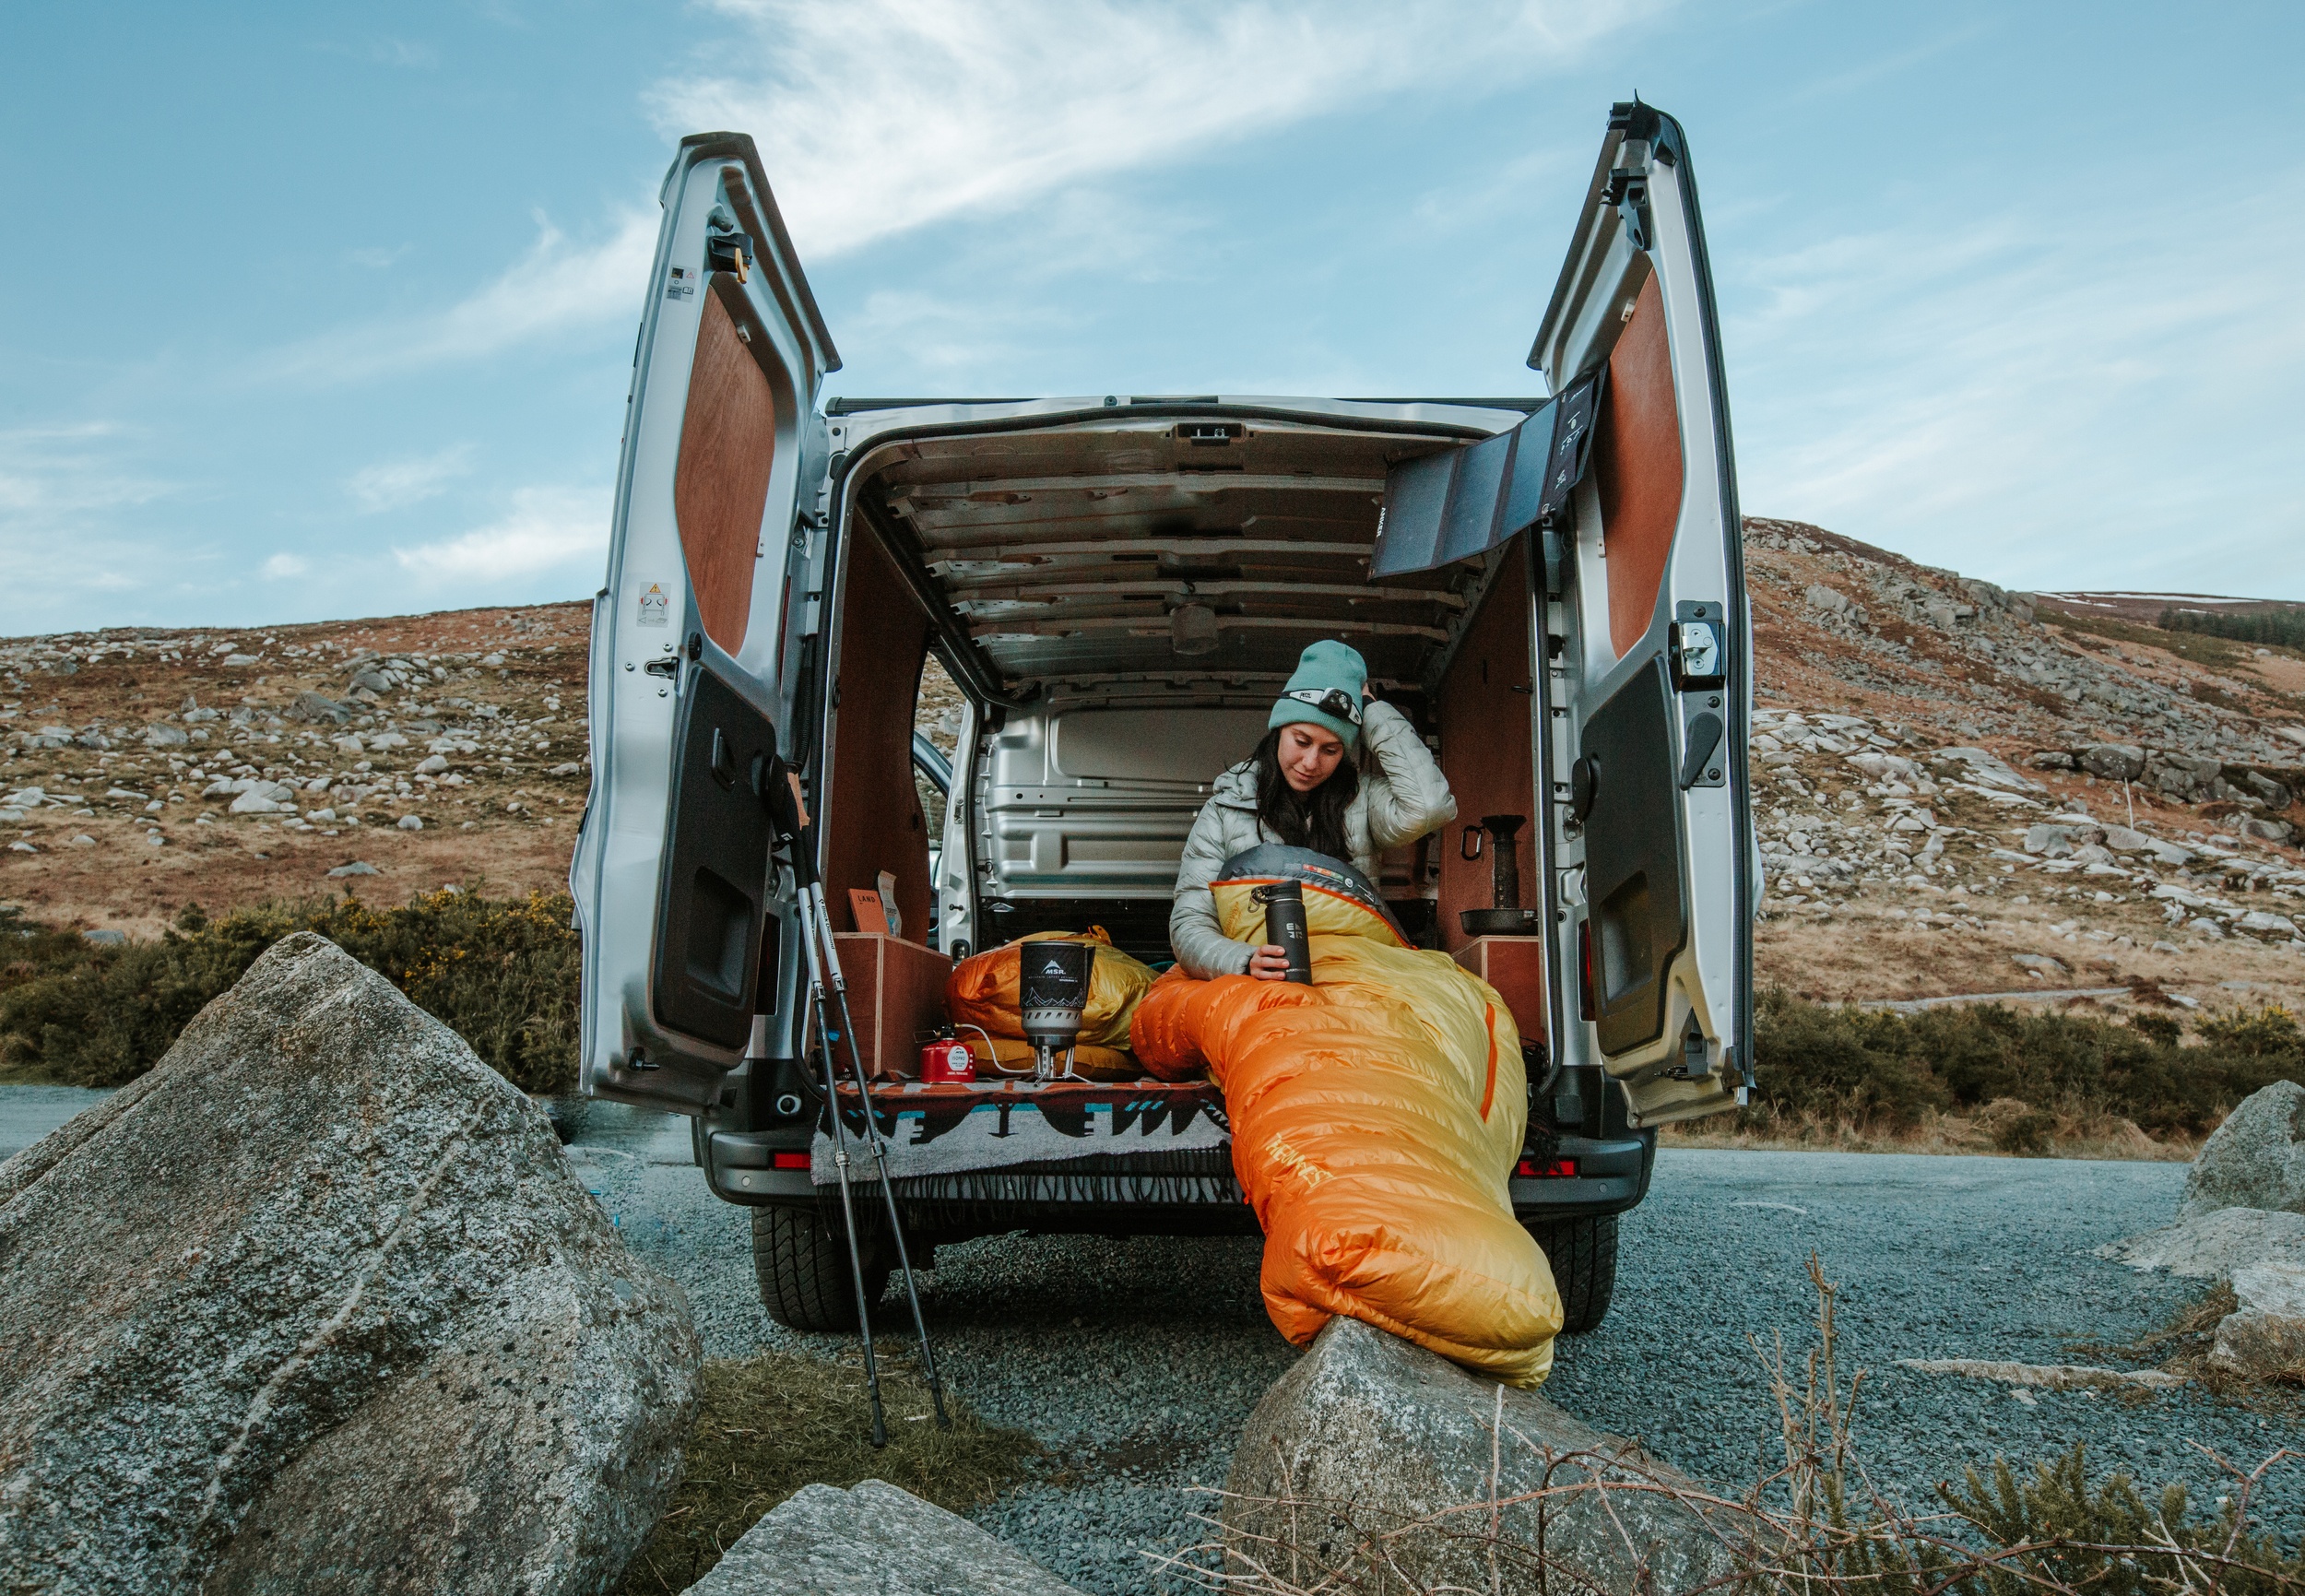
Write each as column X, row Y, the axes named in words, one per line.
column 1694, row 1065
column 1628, row 192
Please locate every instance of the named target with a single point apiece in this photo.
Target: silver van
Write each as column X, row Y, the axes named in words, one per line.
column 1117, row 583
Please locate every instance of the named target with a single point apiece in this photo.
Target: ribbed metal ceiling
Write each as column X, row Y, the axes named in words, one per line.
column 1134, row 551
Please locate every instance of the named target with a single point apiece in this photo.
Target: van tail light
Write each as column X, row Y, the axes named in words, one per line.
column 790, row 1161
column 1545, row 1169
column 1584, row 970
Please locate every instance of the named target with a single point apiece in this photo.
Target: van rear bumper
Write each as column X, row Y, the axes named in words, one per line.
column 1183, row 1193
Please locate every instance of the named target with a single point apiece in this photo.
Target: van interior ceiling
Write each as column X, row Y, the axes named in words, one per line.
column 1122, row 600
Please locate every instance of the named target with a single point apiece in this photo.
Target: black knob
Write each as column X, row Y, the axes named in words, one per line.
column 1584, row 786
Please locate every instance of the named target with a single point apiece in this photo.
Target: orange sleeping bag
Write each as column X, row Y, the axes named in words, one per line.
column 1377, row 1115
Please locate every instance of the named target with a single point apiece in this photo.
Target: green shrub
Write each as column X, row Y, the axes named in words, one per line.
column 2282, row 628
column 1883, row 1071
column 2106, row 1538
column 502, row 973
column 2267, row 1033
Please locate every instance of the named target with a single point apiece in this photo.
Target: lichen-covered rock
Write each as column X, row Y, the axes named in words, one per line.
column 2212, row 1246
column 316, row 1306
column 2263, row 1338
column 2113, row 760
column 2256, row 1159
column 874, row 1540
column 1369, row 1434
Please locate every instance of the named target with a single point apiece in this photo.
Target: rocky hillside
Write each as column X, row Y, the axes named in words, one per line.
column 1960, row 788
column 144, row 770
column 2046, row 791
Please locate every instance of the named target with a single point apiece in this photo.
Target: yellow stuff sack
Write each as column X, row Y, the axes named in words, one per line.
column 982, row 990
column 1376, row 1116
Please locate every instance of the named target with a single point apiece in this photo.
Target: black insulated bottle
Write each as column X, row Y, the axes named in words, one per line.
column 1285, row 929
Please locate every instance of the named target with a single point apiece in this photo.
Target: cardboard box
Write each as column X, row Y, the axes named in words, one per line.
column 895, row 992
column 1515, row 966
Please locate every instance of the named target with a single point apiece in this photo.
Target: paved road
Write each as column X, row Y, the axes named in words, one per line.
column 29, row 1113
column 1137, row 1361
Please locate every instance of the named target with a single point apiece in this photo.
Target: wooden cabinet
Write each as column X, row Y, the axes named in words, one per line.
column 895, row 995
column 1515, row 966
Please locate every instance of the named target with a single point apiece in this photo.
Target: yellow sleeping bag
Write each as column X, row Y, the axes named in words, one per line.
column 1376, row 1116
column 982, row 992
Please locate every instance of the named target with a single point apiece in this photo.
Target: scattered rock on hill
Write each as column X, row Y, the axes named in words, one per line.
column 1369, row 1420
column 315, row 1306
column 874, row 1541
column 2256, row 1159
column 314, row 709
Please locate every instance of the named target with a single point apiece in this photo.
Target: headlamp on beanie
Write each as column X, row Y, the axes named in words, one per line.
column 1325, row 690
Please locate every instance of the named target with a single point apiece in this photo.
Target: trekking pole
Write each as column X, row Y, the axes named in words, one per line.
column 814, row 892
column 840, row 1162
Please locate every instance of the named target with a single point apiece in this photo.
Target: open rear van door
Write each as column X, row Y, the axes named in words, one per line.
column 1650, row 667
column 672, row 876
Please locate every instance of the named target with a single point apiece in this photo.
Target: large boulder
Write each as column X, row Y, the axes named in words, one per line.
column 316, row 1306
column 2213, row 1246
column 1368, row 1434
column 2256, row 1159
column 874, row 1541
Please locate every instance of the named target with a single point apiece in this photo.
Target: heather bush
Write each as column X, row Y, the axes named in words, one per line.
column 502, row 973
column 1887, row 1072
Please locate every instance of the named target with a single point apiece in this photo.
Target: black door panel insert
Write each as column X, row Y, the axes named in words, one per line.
column 707, row 947
column 1633, row 859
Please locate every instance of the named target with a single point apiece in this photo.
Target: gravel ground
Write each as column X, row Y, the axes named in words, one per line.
column 1137, row 1361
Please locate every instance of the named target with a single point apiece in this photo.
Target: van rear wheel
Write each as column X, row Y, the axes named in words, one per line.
column 802, row 1264
column 1583, row 1255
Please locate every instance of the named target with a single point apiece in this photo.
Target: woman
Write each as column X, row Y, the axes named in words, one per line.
column 1303, row 787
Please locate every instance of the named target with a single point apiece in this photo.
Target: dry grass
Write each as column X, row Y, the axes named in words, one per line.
column 2182, row 1346
column 770, row 1424
column 1985, row 1132
column 1818, row 1526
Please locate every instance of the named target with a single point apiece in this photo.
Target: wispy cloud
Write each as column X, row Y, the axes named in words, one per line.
column 557, row 286
column 383, row 51
column 545, row 530
column 376, row 258
column 282, row 567
column 2001, row 392
column 49, row 476
column 402, row 53
column 393, row 484
column 877, row 116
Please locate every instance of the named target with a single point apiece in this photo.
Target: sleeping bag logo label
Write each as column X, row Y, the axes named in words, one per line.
column 1295, row 1163
column 656, row 605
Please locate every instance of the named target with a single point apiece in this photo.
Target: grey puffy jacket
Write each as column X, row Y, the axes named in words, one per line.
column 1402, row 797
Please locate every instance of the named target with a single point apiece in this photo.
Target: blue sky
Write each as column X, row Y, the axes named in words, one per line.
column 312, row 311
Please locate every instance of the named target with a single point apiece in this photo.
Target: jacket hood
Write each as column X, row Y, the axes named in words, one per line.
column 1236, row 787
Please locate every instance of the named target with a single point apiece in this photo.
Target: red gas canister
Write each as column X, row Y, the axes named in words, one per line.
column 946, row 1061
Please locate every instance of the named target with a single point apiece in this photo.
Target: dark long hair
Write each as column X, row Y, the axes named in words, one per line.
column 1314, row 819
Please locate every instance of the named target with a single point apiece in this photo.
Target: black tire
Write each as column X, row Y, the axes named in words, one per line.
column 802, row 1263
column 1583, row 1255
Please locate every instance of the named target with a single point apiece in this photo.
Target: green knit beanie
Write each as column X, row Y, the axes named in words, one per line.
column 1326, row 691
